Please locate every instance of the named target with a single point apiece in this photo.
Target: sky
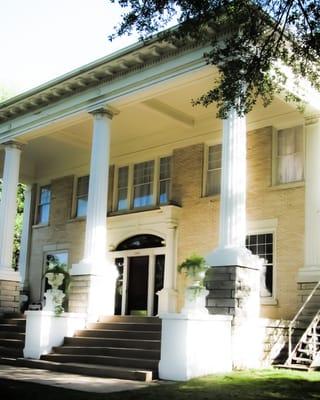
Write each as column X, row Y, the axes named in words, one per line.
column 42, row 39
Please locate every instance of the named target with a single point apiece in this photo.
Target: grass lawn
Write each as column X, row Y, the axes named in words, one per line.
column 245, row 385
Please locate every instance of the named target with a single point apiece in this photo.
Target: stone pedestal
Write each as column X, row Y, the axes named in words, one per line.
column 44, row 330
column 194, row 345
column 235, row 291
column 9, row 296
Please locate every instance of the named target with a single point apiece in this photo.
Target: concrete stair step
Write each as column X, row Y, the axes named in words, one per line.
column 15, row 321
column 104, row 333
column 130, row 318
column 103, row 360
column 14, row 352
column 12, row 328
column 12, row 315
column 17, row 343
column 129, row 326
column 109, row 351
column 112, row 342
column 12, row 335
column 102, row 371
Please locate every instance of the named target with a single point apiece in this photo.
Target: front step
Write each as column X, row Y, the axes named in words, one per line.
column 102, row 371
column 112, row 342
column 103, row 360
column 118, row 334
column 12, row 335
column 115, row 347
column 108, row 351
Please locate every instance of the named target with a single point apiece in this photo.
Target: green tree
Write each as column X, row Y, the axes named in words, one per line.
column 4, row 94
column 247, row 38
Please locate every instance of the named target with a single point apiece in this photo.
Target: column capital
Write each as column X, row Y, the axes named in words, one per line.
column 12, row 144
column 103, row 112
column 311, row 119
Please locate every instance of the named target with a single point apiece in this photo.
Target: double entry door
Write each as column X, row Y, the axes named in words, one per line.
column 141, row 276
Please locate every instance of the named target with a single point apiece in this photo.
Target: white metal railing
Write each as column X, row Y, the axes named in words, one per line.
column 291, row 325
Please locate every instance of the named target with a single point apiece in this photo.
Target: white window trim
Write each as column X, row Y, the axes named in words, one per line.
column 156, row 184
column 274, row 164
column 264, row 227
column 205, row 169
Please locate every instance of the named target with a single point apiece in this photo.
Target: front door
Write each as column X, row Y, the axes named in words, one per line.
column 138, row 279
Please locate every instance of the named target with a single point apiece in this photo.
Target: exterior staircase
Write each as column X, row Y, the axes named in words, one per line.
column 124, row 347
column 12, row 335
column 304, row 335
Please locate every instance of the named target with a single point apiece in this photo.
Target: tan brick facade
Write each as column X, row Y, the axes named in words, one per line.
column 198, row 227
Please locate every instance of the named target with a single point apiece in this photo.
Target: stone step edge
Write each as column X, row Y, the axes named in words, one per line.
column 106, row 358
column 67, row 347
column 87, row 369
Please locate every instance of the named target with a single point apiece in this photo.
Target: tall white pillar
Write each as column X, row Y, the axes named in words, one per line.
column 311, row 269
column 25, row 235
column 168, row 295
column 8, row 209
column 232, row 234
column 95, row 263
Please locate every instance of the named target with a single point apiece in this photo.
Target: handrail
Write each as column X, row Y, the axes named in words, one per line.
column 296, row 317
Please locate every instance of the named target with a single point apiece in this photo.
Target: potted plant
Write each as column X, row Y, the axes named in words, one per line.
column 56, row 275
column 194, row 268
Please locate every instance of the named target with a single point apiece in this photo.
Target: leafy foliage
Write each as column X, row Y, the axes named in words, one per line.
column 18, row 224
column 193, row 265
column 247, row 38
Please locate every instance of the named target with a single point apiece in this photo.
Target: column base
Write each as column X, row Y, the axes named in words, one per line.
column 92, row 289
column 240, row 256
column 9, row 295
column 309, row 274
column 8, row 274
column 167, row 301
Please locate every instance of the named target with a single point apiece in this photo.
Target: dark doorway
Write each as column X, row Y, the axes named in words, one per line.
column 138, row 285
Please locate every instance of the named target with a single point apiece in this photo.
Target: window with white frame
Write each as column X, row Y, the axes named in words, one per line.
column 289, row 155
column 262, row 245
column 122, row 189
column 82, row 196
column 143, row 184
column 143, row 176
column 43, row 208
column 164, row 180
column 213, row 170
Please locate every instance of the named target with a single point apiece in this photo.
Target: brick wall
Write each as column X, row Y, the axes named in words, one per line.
column 198, row 230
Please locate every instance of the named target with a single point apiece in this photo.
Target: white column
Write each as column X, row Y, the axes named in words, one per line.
column 168, row 295
column 25, row 245
column 8, row 209
column 311, row 269
column 232, row 234
column 95, row 262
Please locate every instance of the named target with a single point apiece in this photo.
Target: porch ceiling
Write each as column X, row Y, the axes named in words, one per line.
column 158, row 117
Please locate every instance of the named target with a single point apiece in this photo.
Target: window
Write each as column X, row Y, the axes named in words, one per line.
column 262, row 245
column 164, row 180
column 43, row 211
column 213, row 170
column 143, row 184
column 123, row 175
column 289, row 155
column 82, row 196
